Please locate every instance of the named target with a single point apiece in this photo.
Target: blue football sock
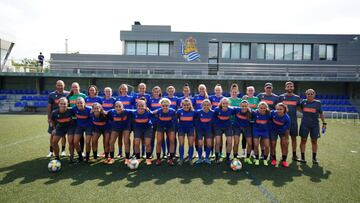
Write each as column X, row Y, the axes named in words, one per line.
column 163, row 147
column 207, row 152
column 200, row 150
column 191, row 152
column 142, row 149
column 181, row 151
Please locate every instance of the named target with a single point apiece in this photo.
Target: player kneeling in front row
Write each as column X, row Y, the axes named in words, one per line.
column 61, row 121
column 280, row 126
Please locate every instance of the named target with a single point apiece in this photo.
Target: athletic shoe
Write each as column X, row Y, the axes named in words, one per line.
column 83, row 154
column 111, row 161
column 261, row 157
column 285, row 164
column 207, row 161
column 199, row 161
column 228, row 161
column 257, row 162
column 243, row 155
column 127, row 161
column 191, row 161
column 295, row 158
column 222, row 155
column 248, row 161
column 181, row 162
column 71, row 159
column 144, row 156
column 217, row 161
column 63, row 153
column 212, row 155
column 170, row 162
column 273, row 162
column 119, row 156
column 50, row 155
column 165, row 157
column 315, row 161
column 158, row 162
column 103, row 154
column 148, row 162
column 303, row 161
column 252, row 154
column 266, row 162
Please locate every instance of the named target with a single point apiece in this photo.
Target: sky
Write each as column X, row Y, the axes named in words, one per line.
column 94, row 26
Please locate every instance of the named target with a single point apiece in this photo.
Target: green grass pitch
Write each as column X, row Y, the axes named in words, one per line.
column 24, row 176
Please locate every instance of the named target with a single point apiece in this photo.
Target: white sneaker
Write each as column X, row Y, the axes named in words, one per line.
column 83, row 154
column 243, row 155
column 49, row 155
column 63, row 153
column 252, row 154
column 203, row 155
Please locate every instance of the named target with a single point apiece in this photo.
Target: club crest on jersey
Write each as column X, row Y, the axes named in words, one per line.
column 188, row 49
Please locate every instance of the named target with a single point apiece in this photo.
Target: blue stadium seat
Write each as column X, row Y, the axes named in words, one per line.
column 23, row 98
column 226, row 94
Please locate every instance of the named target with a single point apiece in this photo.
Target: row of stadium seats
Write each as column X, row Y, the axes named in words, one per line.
column 350, row 109
column 326, row 96
column 335, row 102
column 34, row 98
column 31, row 104
column 3, row 97
column 18, row 92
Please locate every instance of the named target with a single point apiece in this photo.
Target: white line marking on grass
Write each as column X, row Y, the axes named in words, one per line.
column 268, row 195
column 20, row 141
column 353, row 151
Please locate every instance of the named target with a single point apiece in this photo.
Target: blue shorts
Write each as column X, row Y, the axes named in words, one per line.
column 227, row 131
column 245, row 131
column 189, row 132
column 200, row 134
column 294, row 129
column 72, row 128
column 102, row 130
column 141, row 133
column 261, row 134
column 305, row 130
column 166, row 129
column 80, row 130
column 61, row 132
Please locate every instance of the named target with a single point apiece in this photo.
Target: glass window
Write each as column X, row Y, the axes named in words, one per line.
column 130, row 48
column 297, row 51
column 164, row 49
column 260, row 51
column 225, row 50
column 141, row 48
column 153, row 49
column 307, row 54
column 279, row 51
column 322, row 52
column 330, row 50
column 235, row 50
column 269, row 55
column 288, row 55
column 213, row 50
column 245, row 50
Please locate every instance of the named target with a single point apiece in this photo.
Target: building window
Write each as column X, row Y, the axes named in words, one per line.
column 285, row 51
column 327, row 52
column 298, row 52
column 279, row 51
column 153, row 49
column 130, row 48
column 260, row 51
column 213, row 50
column 235, row 50
column 307, row 52
column 245, row 50
column 143, row 48
column 225, row 50
column 289, row 52
column 269, row 52
column 164, row 49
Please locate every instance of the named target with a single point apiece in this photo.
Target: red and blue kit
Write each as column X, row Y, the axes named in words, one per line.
column 90, row 100
column 108, row 104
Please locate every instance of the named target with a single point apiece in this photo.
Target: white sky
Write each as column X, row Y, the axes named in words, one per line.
column 93, row 26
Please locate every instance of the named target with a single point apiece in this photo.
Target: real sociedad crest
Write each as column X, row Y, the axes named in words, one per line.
column 189, row 50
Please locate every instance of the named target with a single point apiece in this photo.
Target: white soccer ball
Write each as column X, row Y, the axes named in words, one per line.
column 236, row 165
column 133, row 164
column 54, row 165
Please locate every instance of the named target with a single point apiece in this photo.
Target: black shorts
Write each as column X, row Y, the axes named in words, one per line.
column 200, row 134
column 227, row 131
column 141, row 133
column 103, row 131
column 313, row 130
column 294, row 129
column 189, row 132
column 80, row 130
column 165, row 129
column 245, row 131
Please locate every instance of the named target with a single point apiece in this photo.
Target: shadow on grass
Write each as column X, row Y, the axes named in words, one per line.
column 36, row 169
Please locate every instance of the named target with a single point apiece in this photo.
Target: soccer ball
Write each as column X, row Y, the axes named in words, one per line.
column 235, row 165
column 54, row 166
column 133, row 164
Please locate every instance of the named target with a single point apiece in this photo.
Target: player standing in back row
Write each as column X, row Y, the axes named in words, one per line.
column 292, row 101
